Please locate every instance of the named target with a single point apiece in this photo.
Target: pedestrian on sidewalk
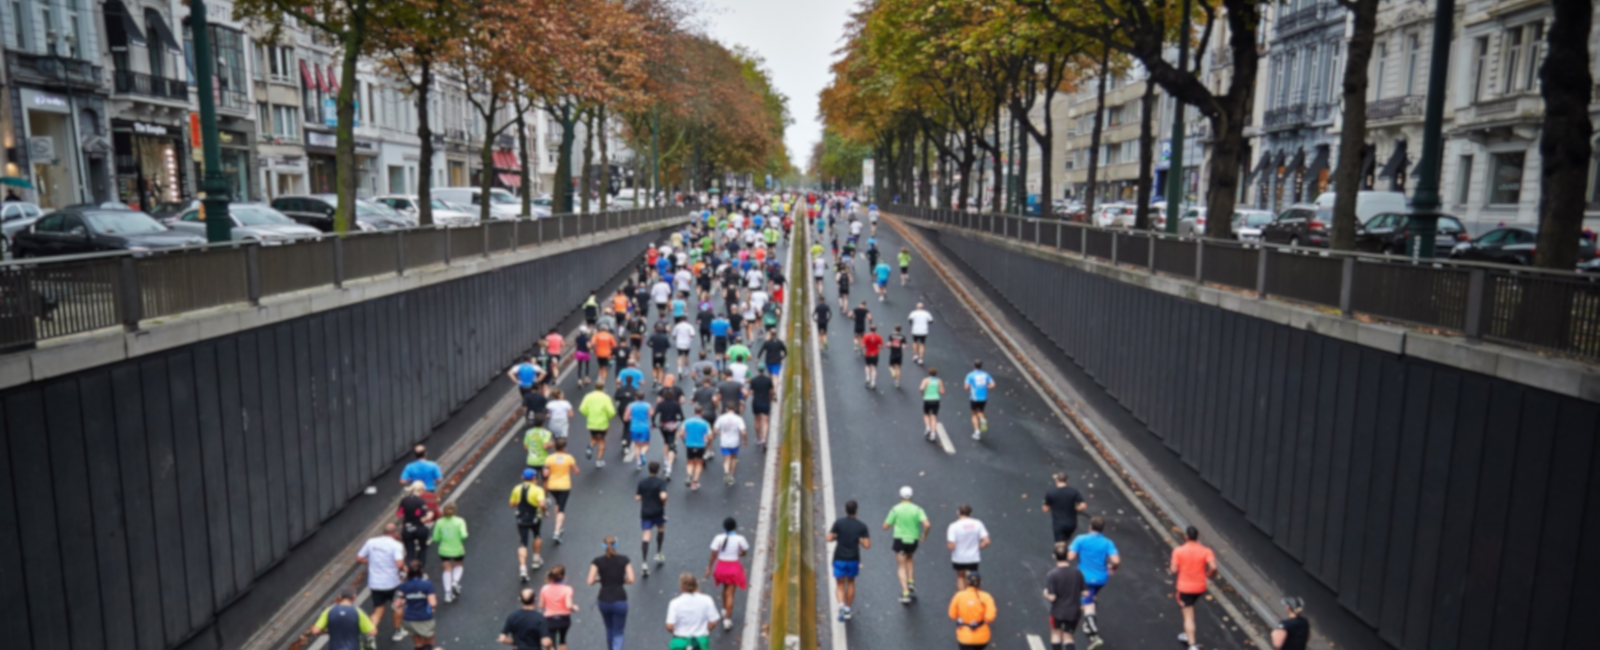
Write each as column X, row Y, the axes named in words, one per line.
column 973, row 610
column 1292, row 633
column 613, row 571
column 849, row 538
column 528, row 502
column 385, row 558
column 932, row 390
column 420, row 602
column 909, row 526
column 450, row 533
column 1097, row 559
column 346, row 626
column 726, row 566
column 966, row 538
column 1063, row 502
column 691, row 616
column 1064, row 588
column 526, row 628
column 978, row 384
column 555, row 599
column 652, row 497
column 1192, row 563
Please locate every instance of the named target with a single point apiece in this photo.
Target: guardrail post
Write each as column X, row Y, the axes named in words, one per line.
column 338, row 262
column 1150, row 257
column 1083, row 242
column 132, row 301
column 1477, row 280
column 1347, row 281
column 540, row 230
column 1114, row 248
column 447, row 243
column 516, row 225
column 1199, row 260
column 1261, row 271
column 561, row 228
column 486, row 239
column 1058, row 235
column 400, row 253
column 252, row 273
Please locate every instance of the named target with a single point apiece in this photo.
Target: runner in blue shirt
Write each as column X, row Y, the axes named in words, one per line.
column 978, row 384
column 638, row 419
column 630, row 376
column 420, row 601
column 525, row 373
column 719, row 337
column 696, row 432
column 881, row 273
column 1097, row 559
column 421, row 469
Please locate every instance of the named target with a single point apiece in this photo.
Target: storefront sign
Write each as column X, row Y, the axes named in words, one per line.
column 366, row 146
column 42, row 101
column 143, row 128
column 42, row 149
column 230, row 138
column 316, row 139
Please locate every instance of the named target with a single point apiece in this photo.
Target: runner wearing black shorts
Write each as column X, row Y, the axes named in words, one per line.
column 669, row 418
column 897, row 345
column 821, row 315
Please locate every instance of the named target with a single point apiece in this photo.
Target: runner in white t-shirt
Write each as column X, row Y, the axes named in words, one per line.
column 965, row 538
column 692, row 614
column 920, row 319
column 730, row 437
column 560, row 411
column 726, row 567
column 683, row 335
column 385, row 558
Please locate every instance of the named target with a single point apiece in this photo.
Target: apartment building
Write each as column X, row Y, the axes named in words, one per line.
column 1118, row 174
column 59, row 139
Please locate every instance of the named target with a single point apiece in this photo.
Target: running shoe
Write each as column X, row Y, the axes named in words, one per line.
column 842, row 616
column 524, row 571
column 557, row 538
column 399, row 635
column 646, row 569
column 599, row 464
column 537, row 562
column 977, row 435
column 728, row 478
column 1095, row 642
column 983, row 424
column 727, row 620
column 589, row 452
column 661, row 559
column 905, row 598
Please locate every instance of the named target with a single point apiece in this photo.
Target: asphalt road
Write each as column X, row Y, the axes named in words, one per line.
column 602, row 503
column 877, row 446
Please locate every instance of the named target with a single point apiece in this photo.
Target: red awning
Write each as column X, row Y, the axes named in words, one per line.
column 305, row 75
column 333, row 80
column 322, row 85
column 511, row 180
column 511, row 161
column 499, row 159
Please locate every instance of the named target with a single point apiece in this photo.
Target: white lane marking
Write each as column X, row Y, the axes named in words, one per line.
column 829, row 514
column 750, row 637
column 1035, row 642
column 944, row 439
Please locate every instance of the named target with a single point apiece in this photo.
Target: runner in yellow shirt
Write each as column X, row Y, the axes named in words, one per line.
column 528, row 500
column 559, row 468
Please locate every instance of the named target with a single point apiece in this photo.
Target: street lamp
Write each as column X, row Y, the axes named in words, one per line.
column 1425, row 205
column 219, row 228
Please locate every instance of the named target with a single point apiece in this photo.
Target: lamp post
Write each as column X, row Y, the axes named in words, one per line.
column 219, row 228
column 1175, row 158
column 1425, row 204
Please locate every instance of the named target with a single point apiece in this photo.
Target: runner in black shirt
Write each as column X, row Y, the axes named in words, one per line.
column 773, row 352
column 660, row 343
column 897, row 346
column 1064, row 588
column 1292, row 633
column 760, row 389
column 1063, row 503
column 862, row 318
column 851, row 536
column 669, row 418
column 652, row 498
column 822, row 315
column 704, row 317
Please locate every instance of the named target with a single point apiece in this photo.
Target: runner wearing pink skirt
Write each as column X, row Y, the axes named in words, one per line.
column 726, row 566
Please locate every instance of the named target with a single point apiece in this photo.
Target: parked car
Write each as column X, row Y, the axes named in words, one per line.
column 1369, row 204
column 1192, row 223
column 16, row 216
column 252, row 222
column 1114, row 215
column 1388, row 233
column 502, row 204
column 1302, row 224
column 71, row 231
column 1247, row 224
column 170, row 211
column 317, row 211
column 1511, row 245
column 444, row 213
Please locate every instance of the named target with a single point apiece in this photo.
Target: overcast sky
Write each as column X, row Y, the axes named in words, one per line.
column 797, row 38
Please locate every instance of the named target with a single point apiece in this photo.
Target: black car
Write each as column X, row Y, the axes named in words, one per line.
column 317, row 211
column 1510, row 245
column 91, row 230
column 1300, row 225
column 1388, row 233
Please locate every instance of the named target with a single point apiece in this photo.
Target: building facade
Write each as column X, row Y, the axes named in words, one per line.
column 1297, row 133
column 56, row 88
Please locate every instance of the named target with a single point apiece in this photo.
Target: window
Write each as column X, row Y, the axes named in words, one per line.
column 1287, row 82
column 284, row 124
column 310, row 102
column 1115, row 116
column 1513, row 48
column 1313, row 91
column 1522, row 57
column 1464, row 180
column 74, row 35
column 258, row 60
column 263, row 120
column 280, row 63
column 1306, row 68
column 48, row 20
column 1480, row 66
column 1413, row 59
column 19, row 24
column 1379, row 71
column 1505, row 177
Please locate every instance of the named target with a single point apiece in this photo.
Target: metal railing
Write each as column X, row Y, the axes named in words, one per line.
column 139, row 83
column 1395, row 107
column 1552, row 311
column 45, row 298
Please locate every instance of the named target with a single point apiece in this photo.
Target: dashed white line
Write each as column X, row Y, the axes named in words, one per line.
column 1035, row 642
column 944, row 439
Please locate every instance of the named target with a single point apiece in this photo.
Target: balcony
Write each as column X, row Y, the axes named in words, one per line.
column 1285, row 117
column 234, row 101
column 1521, row 107
column 1395, row 108
column 1302, row 18
column 49, row 70
column 144, row 85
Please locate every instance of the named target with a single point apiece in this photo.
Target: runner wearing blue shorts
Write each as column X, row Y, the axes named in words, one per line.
column 850, row 538
column 1097, row 558
column 730, row 436
column 881, row 275
column 637, row 418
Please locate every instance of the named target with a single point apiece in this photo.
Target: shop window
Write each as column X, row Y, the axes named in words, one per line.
column 1505, row 177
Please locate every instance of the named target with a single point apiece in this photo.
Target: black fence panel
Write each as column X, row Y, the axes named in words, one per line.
column 1302, row 276
column 1446, row 508
column 1229, row 264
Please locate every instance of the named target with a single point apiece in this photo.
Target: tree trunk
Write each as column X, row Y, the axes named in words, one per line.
column 1094, row 134
column 605, row 159
column 1147, row 146
column 345, row 172
column 997, row 156
column 965, row 168
column 522, row 150
column 1353, row 137
column 563, row 189
column 1564, row 146
column 586, row 177
column 486, row 158
column 923, row 187
column 425, row 135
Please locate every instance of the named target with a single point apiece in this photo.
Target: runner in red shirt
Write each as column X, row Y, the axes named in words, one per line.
column 651, row 255
column 871, row 344
column 1192, row 563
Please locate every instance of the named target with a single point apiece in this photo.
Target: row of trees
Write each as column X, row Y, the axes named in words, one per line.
column 941, row 77
column 630, row 66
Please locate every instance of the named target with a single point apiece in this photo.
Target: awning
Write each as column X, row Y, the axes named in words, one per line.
column 1297, row 163
column 121, row 29
column 511, row 180
column 322, row 84
column 1397, row 160
column 505, row 160
column 333, row 81
column 1319, row 163
column 16, row 181
column 1266, row 159
column 306, row 76
column 159, row 31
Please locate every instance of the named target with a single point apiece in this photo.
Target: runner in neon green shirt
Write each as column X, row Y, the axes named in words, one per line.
column 538, row 441
column 450, row 534
column 909, row 526
column 905, row 265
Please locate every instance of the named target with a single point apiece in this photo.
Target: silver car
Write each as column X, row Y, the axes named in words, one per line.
column 252, row 222
column 444, row 214
column 15, row 217
column 1247, row 224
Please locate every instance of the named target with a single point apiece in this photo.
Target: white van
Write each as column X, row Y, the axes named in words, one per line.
column 502, row 204
column 1370, row 203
